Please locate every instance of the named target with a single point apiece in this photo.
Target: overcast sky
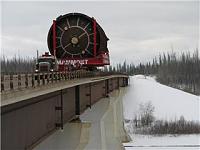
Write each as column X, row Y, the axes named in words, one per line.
column 138, row 31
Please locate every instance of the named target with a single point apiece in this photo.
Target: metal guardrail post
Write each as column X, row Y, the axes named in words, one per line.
column 111, row 81
column 126, row 81
column 69, row 75
column 72, row 75
column 78, row 74
column 38, row 79
column 56, row 76
column 65, row 75
column 59, row 76
column 118, row 83
column 107, row 87
column 52, row 77
column 11, row 82
column 75, row 74
column 88, row 74
column 82, row 74
column 19, row 81
column 2, row 83
column 26, row 80
column 33, row 80
column 91, row 74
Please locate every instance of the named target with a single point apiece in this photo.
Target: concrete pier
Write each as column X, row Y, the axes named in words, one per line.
column 100, row 128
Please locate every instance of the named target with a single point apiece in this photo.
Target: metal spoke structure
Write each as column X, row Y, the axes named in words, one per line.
column 76, row 36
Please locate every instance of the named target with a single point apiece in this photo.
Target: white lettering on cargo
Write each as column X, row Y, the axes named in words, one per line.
column 73, row 62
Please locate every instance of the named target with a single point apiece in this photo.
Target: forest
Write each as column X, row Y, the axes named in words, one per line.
column 180, row 71
column 17, row 65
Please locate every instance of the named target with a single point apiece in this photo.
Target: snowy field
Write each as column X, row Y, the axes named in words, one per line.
column 169, row 104
column 168, row 142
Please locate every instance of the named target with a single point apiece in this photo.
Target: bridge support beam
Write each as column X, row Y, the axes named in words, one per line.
column 60, row 108
column 77, row 100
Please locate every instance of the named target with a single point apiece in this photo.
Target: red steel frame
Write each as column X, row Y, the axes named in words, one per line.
column 95, row 36
column 54, row 38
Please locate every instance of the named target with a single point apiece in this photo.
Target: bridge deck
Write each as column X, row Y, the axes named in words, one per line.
column 20, row 95
column 34, row 113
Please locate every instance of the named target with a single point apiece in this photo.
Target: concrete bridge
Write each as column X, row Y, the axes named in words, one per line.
column 30, row 114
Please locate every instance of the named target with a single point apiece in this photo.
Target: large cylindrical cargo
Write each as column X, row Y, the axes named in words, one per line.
column 74, row 37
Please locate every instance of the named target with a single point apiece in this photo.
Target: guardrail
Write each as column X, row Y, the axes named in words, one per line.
column 28, row 80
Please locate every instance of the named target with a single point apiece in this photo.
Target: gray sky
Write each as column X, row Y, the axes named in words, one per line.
column 138, row 31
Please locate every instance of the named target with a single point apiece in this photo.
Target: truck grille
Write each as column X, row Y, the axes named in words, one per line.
column 44, row 68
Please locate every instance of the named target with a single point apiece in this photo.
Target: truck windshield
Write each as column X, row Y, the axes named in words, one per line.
column 50, row 60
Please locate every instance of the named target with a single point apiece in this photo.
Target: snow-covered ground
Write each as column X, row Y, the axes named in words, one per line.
column 169, row 104
column 168, row 142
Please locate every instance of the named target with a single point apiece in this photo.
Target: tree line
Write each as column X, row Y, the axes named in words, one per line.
column 179, row 71
column 17, row 65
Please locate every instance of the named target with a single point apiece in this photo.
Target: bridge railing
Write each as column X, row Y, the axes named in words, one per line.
column 31, row 80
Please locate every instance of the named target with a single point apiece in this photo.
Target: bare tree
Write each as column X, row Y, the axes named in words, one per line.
column 145, row 116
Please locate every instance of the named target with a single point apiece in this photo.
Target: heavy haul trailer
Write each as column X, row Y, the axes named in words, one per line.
column 78, row 40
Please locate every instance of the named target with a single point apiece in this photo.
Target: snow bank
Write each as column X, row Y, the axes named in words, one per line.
column 168, row 142
column 169, row 103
